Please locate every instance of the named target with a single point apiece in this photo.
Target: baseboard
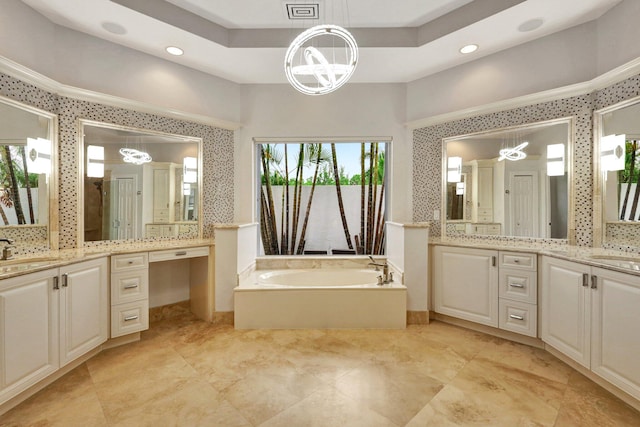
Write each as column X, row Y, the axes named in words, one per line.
column 500, row 333
column 417, row 317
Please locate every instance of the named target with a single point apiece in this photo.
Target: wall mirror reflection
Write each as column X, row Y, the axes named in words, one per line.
column 139, row 184
column 508, row 182
column 27, row 183
column 617, row 170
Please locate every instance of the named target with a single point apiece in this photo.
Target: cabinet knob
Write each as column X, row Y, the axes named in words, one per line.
column 585, row 279
column 594, row 282
column 515, row 316
column 130, row 318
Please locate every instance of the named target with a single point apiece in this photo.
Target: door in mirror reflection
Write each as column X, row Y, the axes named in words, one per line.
column 139, row 184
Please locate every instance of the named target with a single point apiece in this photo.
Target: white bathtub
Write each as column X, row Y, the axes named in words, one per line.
column 319, row 298
column 314, row 278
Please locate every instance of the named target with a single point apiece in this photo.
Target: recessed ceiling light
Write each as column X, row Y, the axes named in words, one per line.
column 469, row 48
column 173, row 50
column 114, row 28
column 530, row 25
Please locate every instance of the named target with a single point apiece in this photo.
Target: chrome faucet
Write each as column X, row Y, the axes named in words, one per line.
column 386, row 277
column 7, row 251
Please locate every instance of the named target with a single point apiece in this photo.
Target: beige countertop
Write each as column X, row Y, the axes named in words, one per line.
column 51, row 259
column 604, row 258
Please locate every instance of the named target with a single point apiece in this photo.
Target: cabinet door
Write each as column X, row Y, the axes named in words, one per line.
column 615, row 335
column 83, row 308
column 565, row 308
column 466, row 284
column 28, row 331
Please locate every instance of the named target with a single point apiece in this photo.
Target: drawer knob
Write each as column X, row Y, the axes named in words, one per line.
column 516, row 285
column 129, row 262
column 181, row 253
column 130, row 318
column 132, row 286
column 515, row 316
column 516, row 260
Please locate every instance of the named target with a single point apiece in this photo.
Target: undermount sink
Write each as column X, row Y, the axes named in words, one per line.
column 630, row 263
column 24, row 264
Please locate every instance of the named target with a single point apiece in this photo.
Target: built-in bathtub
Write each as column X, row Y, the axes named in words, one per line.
column 321, row 297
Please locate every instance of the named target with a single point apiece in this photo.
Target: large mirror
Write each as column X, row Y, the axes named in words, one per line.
column 617, row 169
column 139, row 184
column 508, row 182
column 28, row 190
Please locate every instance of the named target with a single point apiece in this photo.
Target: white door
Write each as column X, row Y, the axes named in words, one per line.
column 123, row 208
column 615, row 335
column 524, row 204
column 565, row 309
column 466, row 284
column 83, row 308
column 28, row 331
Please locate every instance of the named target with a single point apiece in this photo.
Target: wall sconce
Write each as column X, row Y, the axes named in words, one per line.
column 454, row 169
column 612, row 152
column 95, row 161
column 39, row 155
column 555, row 159
column 190, row 170
column 460, row 189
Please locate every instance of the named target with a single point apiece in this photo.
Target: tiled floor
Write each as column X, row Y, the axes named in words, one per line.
column 187, row 372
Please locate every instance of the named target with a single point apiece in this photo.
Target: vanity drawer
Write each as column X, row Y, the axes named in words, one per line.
column 178, row 254
column 129, row 262
column 129, row 286
column 519, row 317
column 129, row 318
column 518, row 260
column 518, row 285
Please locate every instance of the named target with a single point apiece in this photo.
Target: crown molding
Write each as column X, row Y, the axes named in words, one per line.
column 609, row 78
column 43, row 82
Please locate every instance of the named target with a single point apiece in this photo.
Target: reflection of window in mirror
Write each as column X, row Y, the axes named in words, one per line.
column 146, row 184
column 619, row 148
column 26, row 163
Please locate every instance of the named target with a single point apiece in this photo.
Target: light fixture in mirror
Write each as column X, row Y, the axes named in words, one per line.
column 515, row 182
column 28, row 186
column 147, row 193
column 617, row 169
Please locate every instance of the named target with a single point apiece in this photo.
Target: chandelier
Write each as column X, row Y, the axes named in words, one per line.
column 137, row 157
column 321, row 59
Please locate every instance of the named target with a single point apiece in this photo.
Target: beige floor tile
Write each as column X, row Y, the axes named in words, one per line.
column 328, row 407
column 191, row 373
column 586, row 404
column 487, row 393
column 528, row 359
column 70, row 401
column 396, row 391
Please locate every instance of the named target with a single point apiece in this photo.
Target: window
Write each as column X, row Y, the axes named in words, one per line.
column 322, row 197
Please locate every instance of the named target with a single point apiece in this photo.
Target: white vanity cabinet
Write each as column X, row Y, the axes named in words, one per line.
column 83, row 308
column 29, row 339
column 494, row 288
column 466, row 284
column 129, row 293
column 591, row 315
column 48, row 319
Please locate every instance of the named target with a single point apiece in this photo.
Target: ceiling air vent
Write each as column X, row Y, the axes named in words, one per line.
column 303, row 11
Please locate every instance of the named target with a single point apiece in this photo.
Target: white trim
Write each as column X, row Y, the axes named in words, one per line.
column 30, row 76
column 609, row 78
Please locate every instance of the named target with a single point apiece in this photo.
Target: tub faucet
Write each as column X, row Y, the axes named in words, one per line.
column 386, row 276
column 7, row 251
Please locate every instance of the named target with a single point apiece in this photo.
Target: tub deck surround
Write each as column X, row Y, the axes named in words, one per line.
column 326, row 292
